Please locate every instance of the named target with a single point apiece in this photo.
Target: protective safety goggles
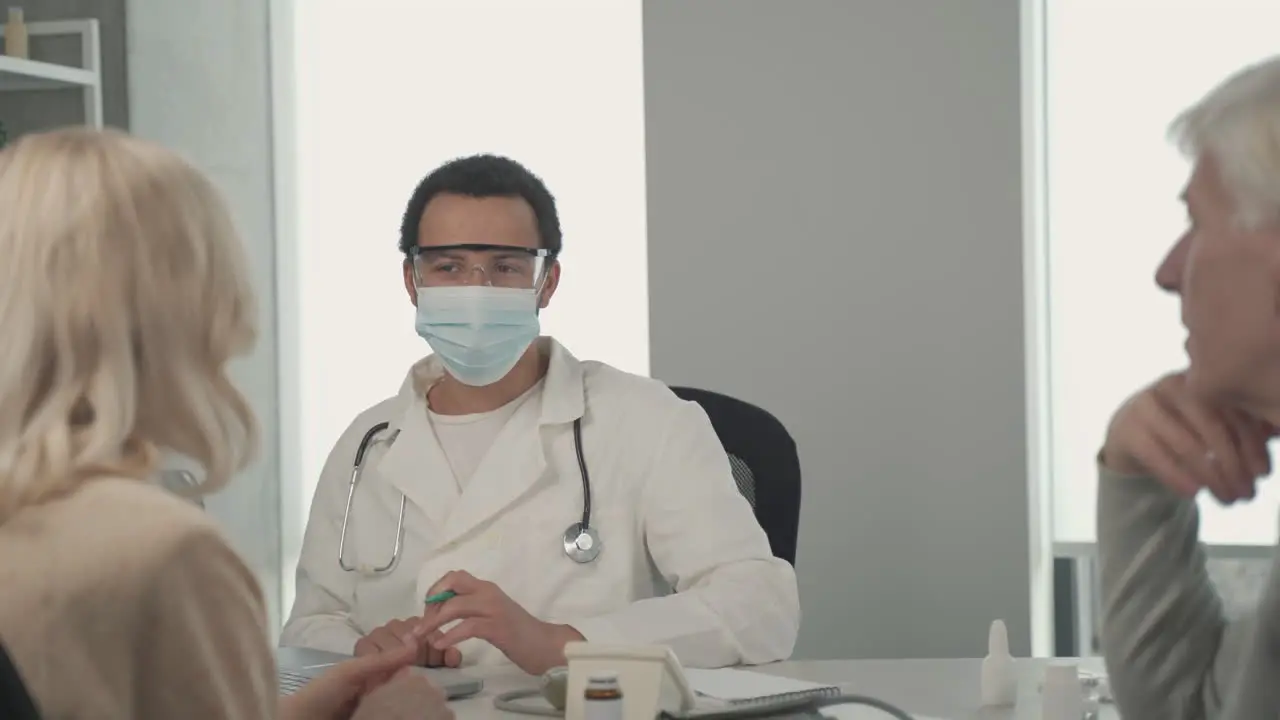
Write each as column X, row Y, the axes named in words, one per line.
column 508, row 266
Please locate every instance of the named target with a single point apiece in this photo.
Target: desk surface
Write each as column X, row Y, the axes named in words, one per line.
column 946, row 689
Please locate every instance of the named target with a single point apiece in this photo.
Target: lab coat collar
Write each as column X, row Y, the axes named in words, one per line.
column 502, row 477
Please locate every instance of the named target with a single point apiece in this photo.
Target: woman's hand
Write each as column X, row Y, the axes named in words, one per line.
column 335, row 694
column 484, row 611
column 398, row 633
column 407, row 696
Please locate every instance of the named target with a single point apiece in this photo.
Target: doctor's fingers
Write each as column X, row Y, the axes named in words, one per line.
column 459, row 608
column 449, row 657
column 395, row 635
column 432, row 657
column 435, row 657
column 460, row 582
column 482, row 628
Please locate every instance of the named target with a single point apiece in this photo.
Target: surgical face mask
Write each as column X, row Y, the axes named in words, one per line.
column 478, row 331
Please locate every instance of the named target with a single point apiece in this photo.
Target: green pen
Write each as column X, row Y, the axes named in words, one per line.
column 439, row 597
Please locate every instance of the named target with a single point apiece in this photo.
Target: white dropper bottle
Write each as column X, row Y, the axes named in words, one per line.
column 999, row 681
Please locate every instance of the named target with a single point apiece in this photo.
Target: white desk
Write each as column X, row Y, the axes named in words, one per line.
column 938, row 688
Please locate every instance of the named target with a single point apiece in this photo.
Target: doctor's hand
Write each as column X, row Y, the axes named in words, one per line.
column 399, row 634
column 482, row 610
column 1167, row 432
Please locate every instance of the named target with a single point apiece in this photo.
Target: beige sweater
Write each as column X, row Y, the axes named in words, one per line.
column 122, row 601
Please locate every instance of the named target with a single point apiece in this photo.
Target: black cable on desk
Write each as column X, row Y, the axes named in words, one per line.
column 892, row 710
column 806, row 709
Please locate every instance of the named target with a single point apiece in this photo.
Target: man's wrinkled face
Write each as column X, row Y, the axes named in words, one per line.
column 1229, row 281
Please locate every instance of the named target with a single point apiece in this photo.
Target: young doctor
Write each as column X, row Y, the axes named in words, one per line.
column 514, row 498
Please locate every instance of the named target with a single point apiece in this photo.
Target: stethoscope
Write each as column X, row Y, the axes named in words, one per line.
column 581, row 541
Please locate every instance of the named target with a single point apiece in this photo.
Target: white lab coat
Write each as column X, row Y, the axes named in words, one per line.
column 663, row 499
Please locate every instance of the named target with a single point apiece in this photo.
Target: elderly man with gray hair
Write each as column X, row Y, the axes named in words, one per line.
column 1171, row 653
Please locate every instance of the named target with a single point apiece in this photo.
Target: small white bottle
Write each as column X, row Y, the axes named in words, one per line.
column 1062, row 694
column 999, row 678
column 602, row 699
column 15, row 35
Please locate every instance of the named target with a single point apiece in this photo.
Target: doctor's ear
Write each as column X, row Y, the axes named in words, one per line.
column 409, row 286
column 549, row 285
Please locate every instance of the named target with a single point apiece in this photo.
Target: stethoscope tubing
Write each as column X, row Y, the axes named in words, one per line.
column 574, row 550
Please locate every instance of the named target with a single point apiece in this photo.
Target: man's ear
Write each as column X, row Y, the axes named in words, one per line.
column 409, row 286
column 550, row 284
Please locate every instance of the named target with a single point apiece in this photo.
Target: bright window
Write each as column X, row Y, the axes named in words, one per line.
column 1118, row 72
column 385, row 91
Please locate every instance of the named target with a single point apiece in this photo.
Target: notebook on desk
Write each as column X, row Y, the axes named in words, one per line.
column 744, row 687
column 731, row 693
column 862, row 712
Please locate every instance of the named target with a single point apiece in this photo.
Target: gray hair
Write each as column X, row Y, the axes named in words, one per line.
column 1238, row 125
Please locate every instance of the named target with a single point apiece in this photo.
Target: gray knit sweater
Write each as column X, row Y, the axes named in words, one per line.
column 1170, row 653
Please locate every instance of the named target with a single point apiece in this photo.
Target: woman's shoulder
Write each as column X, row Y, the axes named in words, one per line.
column 122, row 574
column 116, row 530
column 136, row 513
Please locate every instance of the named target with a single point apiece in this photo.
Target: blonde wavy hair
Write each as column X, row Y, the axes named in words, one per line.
column 124, row 293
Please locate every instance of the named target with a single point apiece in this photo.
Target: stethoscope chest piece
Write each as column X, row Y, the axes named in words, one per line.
column 582, row 545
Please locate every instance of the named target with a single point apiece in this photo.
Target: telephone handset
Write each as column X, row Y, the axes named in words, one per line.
column 651, row 678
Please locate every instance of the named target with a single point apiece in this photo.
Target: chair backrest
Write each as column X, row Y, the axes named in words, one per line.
column 765, row 463
column 15, row 701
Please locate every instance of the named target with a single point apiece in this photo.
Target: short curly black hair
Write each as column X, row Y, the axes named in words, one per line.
column 482, row 176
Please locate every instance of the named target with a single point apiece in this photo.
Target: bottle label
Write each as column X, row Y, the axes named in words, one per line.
column 610, row 709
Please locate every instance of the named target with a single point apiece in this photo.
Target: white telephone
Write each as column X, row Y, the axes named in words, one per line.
column 653, row 683
column 651, row 678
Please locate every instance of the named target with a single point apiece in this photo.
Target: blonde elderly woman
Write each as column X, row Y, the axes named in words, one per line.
column 1171, row 654
column 123, row 295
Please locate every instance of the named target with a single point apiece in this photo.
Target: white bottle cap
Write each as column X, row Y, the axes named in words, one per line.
column 15, row 14
column 998, row 639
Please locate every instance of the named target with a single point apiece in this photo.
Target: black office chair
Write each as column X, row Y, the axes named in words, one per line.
column 765, row 463
column 15, row 702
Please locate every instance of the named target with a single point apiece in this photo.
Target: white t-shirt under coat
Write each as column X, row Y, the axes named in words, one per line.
column 466, row 439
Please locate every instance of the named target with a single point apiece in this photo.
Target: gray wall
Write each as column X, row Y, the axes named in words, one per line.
column 835, row 234
column 24, row 112
column 200, row 83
